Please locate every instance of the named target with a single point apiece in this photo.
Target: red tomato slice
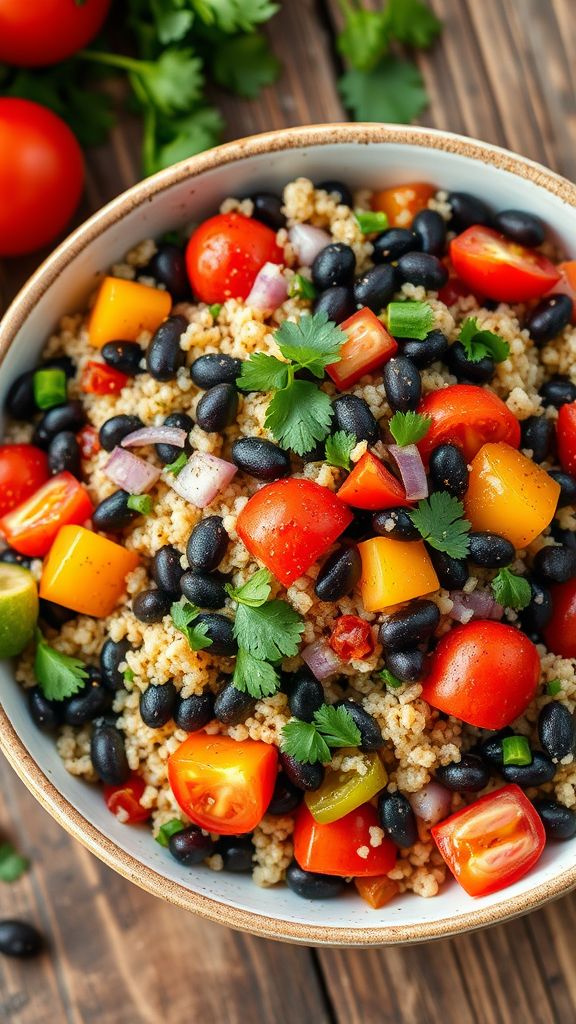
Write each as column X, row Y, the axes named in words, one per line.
column 560, row 633
column 333, row 849
column 31, row 527
column 225, row 253
column 100, row 379
column 566, row 435
column 289, row 524
column 124, row 801
column 567, row 283
column 469, row 416
column 492, row 843
column 484, row 673
column 401, row 203
column 23, row 469
column 501, row 269
column 368, row 346
column 351, row 638
column 371, row 486
column 223, row 785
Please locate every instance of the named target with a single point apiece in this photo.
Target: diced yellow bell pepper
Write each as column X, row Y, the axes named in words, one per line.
column 394, row 571
column 509, row 494
column 123, row 309
column 86, row 572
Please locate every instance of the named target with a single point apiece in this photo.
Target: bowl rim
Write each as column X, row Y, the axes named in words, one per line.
column 13, row 747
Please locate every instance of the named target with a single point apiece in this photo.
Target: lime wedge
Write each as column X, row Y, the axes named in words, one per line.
column 18, row 609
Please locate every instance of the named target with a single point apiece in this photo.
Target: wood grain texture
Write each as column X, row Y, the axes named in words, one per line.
column 503, row 70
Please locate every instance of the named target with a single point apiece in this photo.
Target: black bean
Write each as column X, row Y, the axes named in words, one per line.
column 260, row 458
column 212, row 369
column 168, row 267
column 168, row 453
column 490, row 749
column 112, row 655
column 217, row 409
column 268, row 210
column 339, row 189
column 370, row 733
column 469, row 775
column 549, row 317
column 305, row 695
column 352, row 414
column 108, row 755
column 19, row 939
column 312, row 886
column 334, row 265
column 408, row 666
column 556, row 730
column 375, row 287
column 555, row 564
column 115, row 429
column 190, row 846
column 478, row 372
column 339, row 574
column 536, row 616
column 286, row 796
column 157, row 704
column 567, row 487
column 430, row 228
column 193, row 713
column 424, row 353
column 490, row 550
column 467, row 210
column 304, row 776
column 558, row 391
column 207, row 544
column 69, row 416
column 20, row 402
column 409, row 627
column 64, row 454
column 449, row 470
column 113, row 513
column 166, row 570
column 541, row 770
column 337, row 303
column 395, row 523
column 219, row 630
column 46, row 714
column 537, row 435
column 53, row 614
column 559, row 821
column 452, row 573
column 151, row 605
column 237, row 853
column 398, row 819
column 164, row 356
column 11, row 557
column 91, row 702
column 402, row 384
column 421, row 268
column 521, row 227
column 233, row 706
column 394, row 243
column 124, row 356
column 205, row 589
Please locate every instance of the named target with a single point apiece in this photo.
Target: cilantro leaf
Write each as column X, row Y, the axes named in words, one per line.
column 364, row 38
column 301, row 287
column 439, row 519
column 478, row 343
column 234, row 15
column 337, row 726
column 409, row 427
column 411, row 22
column 171, row 24
column 339, row 447
column 169, row 829
column 511, row 591
column 263, row 373
column 59, row 676
column 393, row 91
column 303, row 742
column 269, row 631
column 254, row 592
column 245, row 64
column 313, row 342
column 183, row 619
column 174, row 81
column 254, row 676
column 12, row 864
column 299, row 416
column 168, row 140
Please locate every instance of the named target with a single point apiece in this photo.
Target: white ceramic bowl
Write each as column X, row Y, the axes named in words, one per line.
column 361, row 155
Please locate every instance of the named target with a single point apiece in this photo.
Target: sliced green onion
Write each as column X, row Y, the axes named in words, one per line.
column 553, row 687
column 390, row 679
column 49, row 387
column 170, row 828
column 128, row 675
column 178, row 464
column 410, row 319
column 141, row 503
column 516, row 750
column 371, row 221
column 214, row 309
column 301, row 288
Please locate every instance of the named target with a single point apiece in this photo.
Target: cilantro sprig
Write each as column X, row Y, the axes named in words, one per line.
column 310, row 742
column 59, row 676
column 511, row 590
column 478, row 343
column 338, row 448
column 184, row 618
column 409, row 427
column 440, row 521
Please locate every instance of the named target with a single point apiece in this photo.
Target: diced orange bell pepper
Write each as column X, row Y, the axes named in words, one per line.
column 402, row 202
column 509, row 494
column 377, row 891
column 86, row 572
column 394, row 571
column 123, row 309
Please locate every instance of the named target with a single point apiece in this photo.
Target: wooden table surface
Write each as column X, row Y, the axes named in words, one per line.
column 503, row 71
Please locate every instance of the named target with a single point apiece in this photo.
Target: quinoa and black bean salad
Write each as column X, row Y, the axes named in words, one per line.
column 290, row 562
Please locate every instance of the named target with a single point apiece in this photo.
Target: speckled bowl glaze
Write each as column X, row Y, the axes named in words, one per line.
column 363, row 155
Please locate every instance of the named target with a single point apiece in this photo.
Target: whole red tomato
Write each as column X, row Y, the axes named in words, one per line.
column 41, row 176
column 225, row 253
column 47, row 31
column 23, row 469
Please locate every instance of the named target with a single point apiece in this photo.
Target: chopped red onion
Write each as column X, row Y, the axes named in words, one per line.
column 270, row 288
column 321, row 659
column 131, row 473
column 202, row 478
column 155, row 435
column 308, row 242
column 409, row 462
column 431, row 803
column 477, row 605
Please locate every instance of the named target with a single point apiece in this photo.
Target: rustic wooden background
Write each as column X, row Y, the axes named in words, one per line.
column 503, row 71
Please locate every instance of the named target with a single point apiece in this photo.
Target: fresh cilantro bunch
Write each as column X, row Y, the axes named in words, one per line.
column 299, row 413
column 478, row 343
column 440, row 521
column 310, row 742
column 59, row 676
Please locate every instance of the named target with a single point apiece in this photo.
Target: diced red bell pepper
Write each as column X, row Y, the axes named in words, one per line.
column 372, row 486
column 369, row 345
column 100, row 379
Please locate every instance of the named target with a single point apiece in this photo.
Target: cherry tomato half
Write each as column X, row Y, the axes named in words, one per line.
column 484, row 673
column 501, row 269
column 560, row 633
column 493, row 842
column 566, row 435
column 100, row 379
column 332, row 849
column 351, row 638
column 372, row 486
column 225, row 253
column 468, row 416
column 34, row 34
column 23, row 469
column 289, row 524
column 124, row 801
column 368, row 346
column 401, row 203
column 31, row 527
